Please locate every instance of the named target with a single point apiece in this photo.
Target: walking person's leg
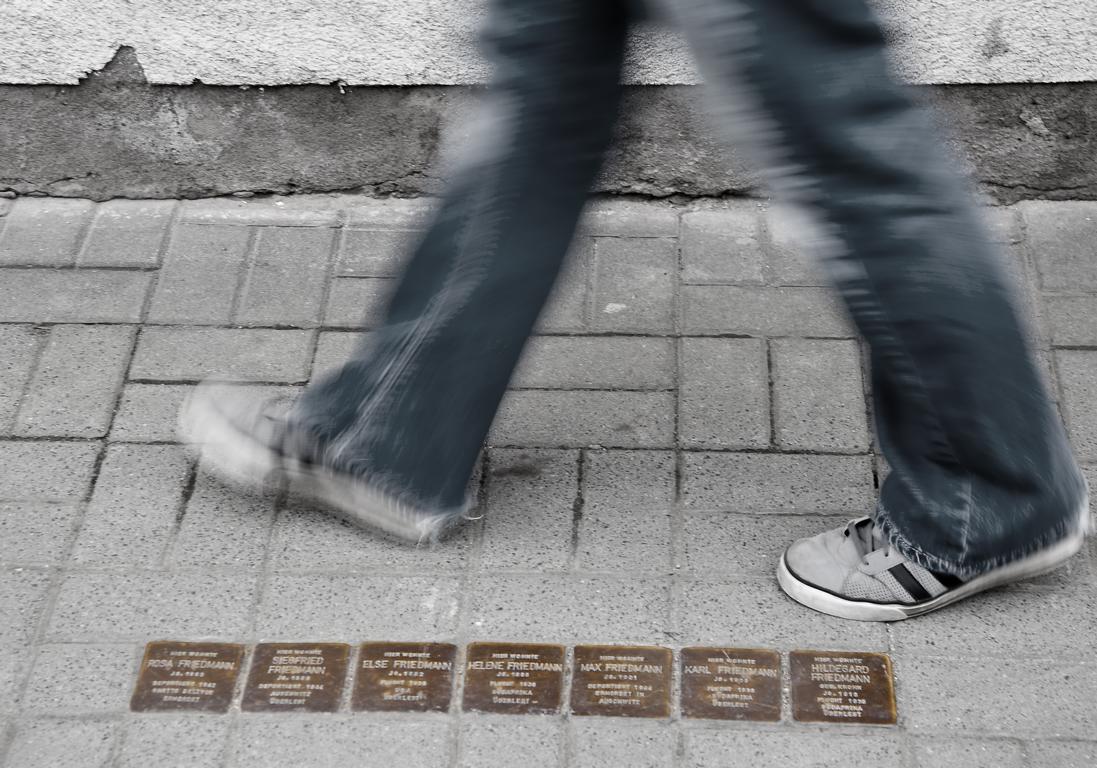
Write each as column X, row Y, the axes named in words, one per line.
column 983, row 488
column 391, row 439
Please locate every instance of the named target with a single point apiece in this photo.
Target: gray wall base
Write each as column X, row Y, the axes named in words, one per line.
column 114, row 135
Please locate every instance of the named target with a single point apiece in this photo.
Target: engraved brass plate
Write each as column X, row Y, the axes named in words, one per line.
column 296, row 677
column 514, row 678
column 404, row 677
column 196, row 677
column 731, row 684
column 836, row 687
column 624, row 681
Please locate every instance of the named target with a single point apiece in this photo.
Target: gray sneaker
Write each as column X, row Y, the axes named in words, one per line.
column 247, row 442
column 852, row 573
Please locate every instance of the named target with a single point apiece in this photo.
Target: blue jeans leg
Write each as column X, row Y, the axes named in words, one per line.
column 411, row 409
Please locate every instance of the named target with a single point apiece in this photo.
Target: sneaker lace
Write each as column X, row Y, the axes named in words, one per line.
column 868, row 538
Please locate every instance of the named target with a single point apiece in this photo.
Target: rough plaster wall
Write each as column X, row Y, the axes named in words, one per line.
column 418, row 42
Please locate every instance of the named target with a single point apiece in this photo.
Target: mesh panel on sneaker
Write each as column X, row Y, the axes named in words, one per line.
column 925, row 578
column 897, row 590
column 861, row 587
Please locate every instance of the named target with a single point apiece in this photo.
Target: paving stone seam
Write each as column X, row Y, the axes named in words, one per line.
column 74, row 268
column 325, row 294
column 463, row 630
column 41, row 339
column 684, row 451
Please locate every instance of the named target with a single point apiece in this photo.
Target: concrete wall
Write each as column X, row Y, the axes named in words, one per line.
column 431, row 42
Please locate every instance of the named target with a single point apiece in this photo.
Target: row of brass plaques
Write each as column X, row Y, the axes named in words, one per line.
column 518, row 678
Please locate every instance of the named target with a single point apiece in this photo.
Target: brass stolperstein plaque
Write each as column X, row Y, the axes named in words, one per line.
column 514, row 678
column 838, row 687
column 197, row 677
column 623, row 681
column 404, row 677
column 296, row 677
column 731, row 684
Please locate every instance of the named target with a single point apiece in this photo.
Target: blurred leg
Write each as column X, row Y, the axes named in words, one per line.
column 981, row 470
column 411, row 409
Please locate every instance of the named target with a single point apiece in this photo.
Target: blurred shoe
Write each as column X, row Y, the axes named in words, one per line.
column 248, row 442
column 853, row 573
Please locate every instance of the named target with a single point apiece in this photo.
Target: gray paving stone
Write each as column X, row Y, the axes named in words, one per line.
column 548, row 608
column 392, row 214
column 566, row 309
column 221, row 527
column 22, row 600
column 343, row 741
column 626, row 218
column 1078, row 377
column 81, row 679
column 127, row 233
column 19, row 348
column 137, row 499
column 1048, row 623
column 530, row 508
column 333, row 349
column 793, row 245
column 14, row 663
column 746, row 749
column 1061, row 754
column 754, row 613
column 494, row 742
column 1071, row 320
column 598, row 362
column 1002, row 224
column 199, row 276
column 62, row 744
column 818, row 396
column 539, row 418
column 626, row 516
column 1009, row 697
column 760, row 482
column 277, row 211
column 374, row 253
column 357, row 302
column 605, row 743
column 76, row 383
column 174, row 742
column 147, row 413
column 1063, row 239
column 723, row 401
column 723, row 246
column 139, row 606
column 723, row 309
column 43, row 231
column 35, row 534
column 191, row 354
column 286, row 276
column 46, row 471
column 633, row 284
column 747, row 545
column 72, row 296
column 307, row 538
column 342, row 607
column 929, row 752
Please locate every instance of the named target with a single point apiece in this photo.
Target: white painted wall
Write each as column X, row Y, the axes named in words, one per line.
column 409, row 42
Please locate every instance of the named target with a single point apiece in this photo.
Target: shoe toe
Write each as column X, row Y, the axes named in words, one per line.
column 814, row 561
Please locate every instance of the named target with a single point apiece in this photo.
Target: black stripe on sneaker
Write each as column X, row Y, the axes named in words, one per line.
column 907, row 581
column 948, row 581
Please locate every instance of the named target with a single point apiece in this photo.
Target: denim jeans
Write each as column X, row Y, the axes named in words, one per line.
column 981, row 471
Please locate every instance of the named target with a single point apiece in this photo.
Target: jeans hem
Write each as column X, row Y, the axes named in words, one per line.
column 968, row 570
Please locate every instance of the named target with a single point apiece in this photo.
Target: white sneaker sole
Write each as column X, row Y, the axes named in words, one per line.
column 238, row 459
column 1034, row 565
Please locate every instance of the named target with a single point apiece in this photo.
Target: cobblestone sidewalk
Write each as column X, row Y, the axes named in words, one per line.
column 695, row 400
